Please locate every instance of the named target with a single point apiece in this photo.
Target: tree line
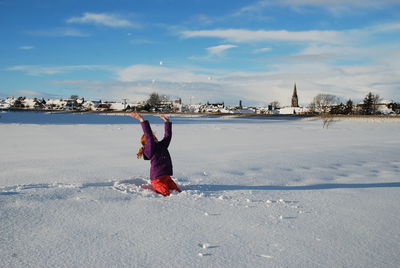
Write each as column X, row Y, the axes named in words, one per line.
column 331, row 104
column 321, row 104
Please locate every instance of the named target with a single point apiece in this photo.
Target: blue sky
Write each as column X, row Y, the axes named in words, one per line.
column 200, row 50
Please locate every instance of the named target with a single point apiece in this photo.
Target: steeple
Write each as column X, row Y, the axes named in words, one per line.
column 295, row 99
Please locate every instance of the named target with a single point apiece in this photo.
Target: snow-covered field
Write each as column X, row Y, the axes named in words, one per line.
column 257, row 193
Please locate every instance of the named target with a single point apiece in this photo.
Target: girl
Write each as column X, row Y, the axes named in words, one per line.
column 157, row 152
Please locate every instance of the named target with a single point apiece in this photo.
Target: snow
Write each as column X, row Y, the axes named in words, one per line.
column 117, row 106
column 29, row 103
column 4, row 104
column 292, row 110
column 257, row 193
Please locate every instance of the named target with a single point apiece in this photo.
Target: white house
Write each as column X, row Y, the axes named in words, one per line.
column 383, row 108
column 56, row 104
column 4, row 104
column 292, row 110
column 30, row 103
column 118, row 106
column 177, row 105
column 91, row 105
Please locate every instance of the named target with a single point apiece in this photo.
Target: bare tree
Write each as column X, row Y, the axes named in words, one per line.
column 275, row 105
column 327, row 119
column 322, row 103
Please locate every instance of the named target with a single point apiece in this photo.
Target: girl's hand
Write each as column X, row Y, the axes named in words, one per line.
column 137, row 116
column 164, row 117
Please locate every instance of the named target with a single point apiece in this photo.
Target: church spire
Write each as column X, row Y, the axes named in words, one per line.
column 295, row 99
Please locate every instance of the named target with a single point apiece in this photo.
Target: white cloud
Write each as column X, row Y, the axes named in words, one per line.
column 251, row 9
column 159, row 73
column 309, row 57
column 262, row 50
column 217, row 50
column 378, row 70
column 192, row 85
column 337, row 3
column 74, row 82
column 386, row 27
column 335, row 38
column 140, row 90
column 312, row 78
column 104, row 19
column 34, row 93
column 336, row 7
column 249, row 36
column 26, row 47
column 36, row 70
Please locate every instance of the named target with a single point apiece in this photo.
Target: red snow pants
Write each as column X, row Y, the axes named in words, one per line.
column 163, row 185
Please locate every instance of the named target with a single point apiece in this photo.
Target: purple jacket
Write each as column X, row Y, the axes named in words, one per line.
column 157, row 152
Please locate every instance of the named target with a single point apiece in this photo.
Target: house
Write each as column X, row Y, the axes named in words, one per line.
column 193, row 108
column 242, row 110
column 169, row 106
column 55, row 104
column 384, row 107
column 39, row 104
column 29, row 103
column 118, row 106
column 4, row 104
column 264, row 110
column 91, row 105
column 135, row 106
column 177, row 105
column 293, row 110
column 214, row 108
column 18, row 103
column 102, row 107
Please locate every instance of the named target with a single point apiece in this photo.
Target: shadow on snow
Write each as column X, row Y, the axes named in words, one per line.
column 326, row 186
column 14, row 190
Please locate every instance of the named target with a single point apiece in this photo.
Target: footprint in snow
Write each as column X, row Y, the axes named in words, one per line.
column 206, row 246
column 265, row 256
column 204, row 254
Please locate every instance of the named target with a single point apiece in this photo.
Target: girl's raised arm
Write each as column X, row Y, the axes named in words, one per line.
column 137, row 116
column 164, row 117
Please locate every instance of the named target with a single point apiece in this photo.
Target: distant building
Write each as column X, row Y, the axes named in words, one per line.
column 169, row 106
column 4, row 104
column 295, row 99
column 102, row 107
column 293, row 110
column 118, row 106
